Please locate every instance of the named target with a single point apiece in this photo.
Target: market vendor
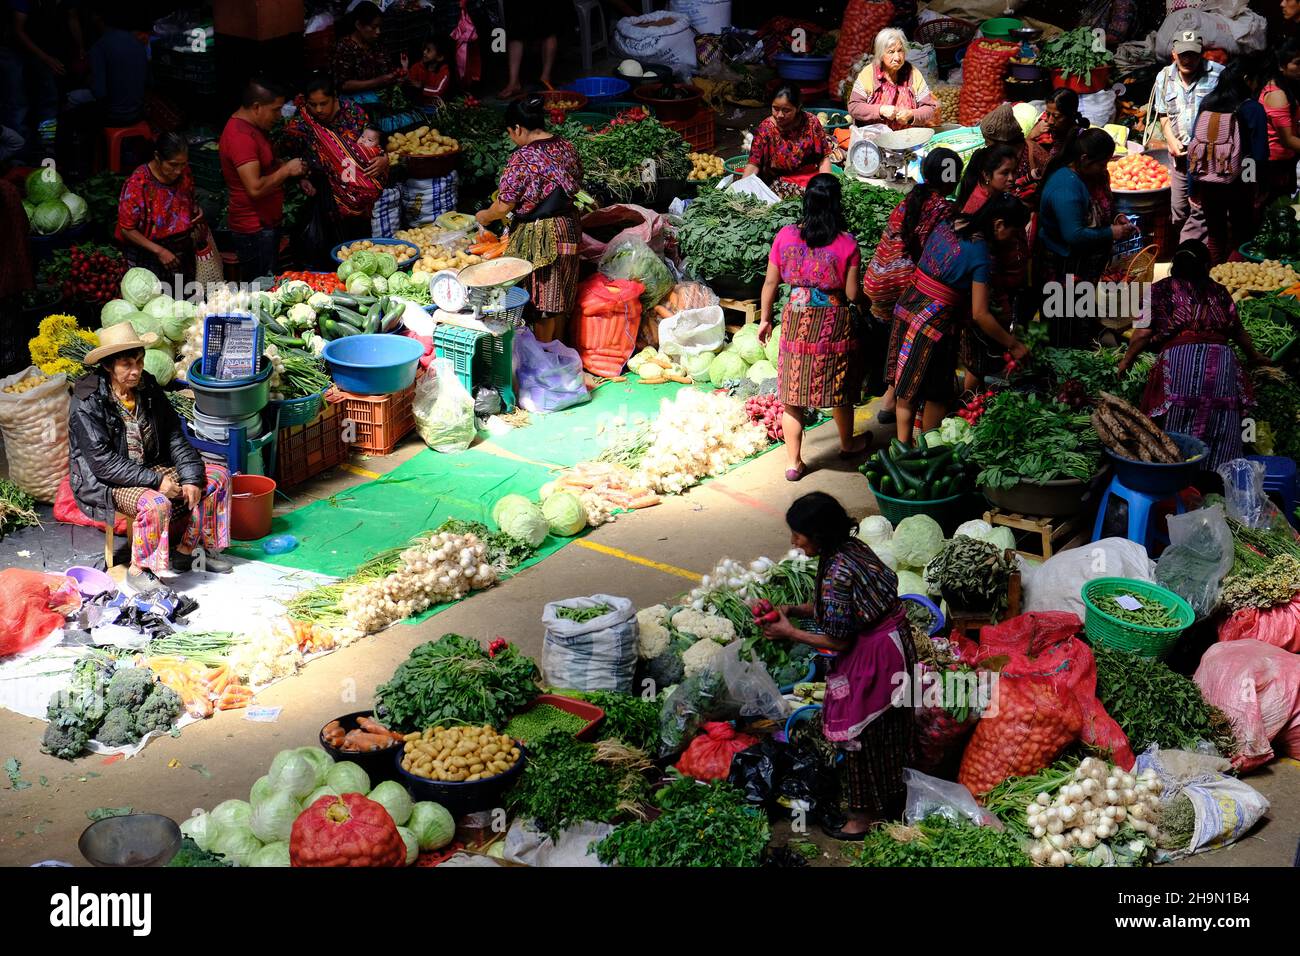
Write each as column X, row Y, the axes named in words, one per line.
column 360, row 63
column 537, row 190
column 790, row 146
column 1059, row 121
column 1196, row 386
column 890, row 90
column 1001, row 128
column 951, row 282
column 128, row 454
column 859, row 616
column 1076, row 234
column 326, row 131
column 158, row 216
column 821, row 358
column 890, row 271
column 1281, row 99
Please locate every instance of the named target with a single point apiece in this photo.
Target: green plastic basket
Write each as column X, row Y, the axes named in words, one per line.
column 1151, row 642
column 949, row 512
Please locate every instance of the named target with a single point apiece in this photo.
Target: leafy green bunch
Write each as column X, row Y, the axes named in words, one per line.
column 730, row 234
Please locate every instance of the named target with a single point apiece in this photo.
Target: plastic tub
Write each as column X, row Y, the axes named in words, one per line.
column 1155, row 479
column 379, row 241
column 252, row 498
column 675, row 109
column 373, row 364
column 1045, row 499
column 1098, row 79
column 1152, row 642
column 790, row 66
column 589, row 712
column 90, row 581
column 599, row 88
column 137, row 839
column 999, row 28
column 949, row 512
column 378, row 764
column 233, row 400
column 461, row 798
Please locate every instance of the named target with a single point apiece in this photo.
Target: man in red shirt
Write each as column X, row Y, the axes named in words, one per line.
column 255, row 179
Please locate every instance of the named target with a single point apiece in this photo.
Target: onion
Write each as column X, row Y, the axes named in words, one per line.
column 1090, row 787
column 1042, row 799
column 1040, row 832
column 1055, row 827
column 1128, row 797
column 1087, row 839
column 1060, row 858
column 1057, row 840
column 1068, row 814
column 1112, row 797
column 1037, row 853
column 1120, row 814
column 1138, row 812
column 1112, row 783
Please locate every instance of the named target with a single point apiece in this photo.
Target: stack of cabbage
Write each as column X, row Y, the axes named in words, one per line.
column 50, row 207
column 255, row 832
column 372, row 273
column 560, row 514
column 744, row 357
column 151, row 311
column 917, row 541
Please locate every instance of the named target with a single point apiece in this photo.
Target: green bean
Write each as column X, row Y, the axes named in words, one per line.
column 583, row 614
column 1150, row 614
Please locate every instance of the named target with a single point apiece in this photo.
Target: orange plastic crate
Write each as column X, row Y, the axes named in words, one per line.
column 381, row 421
column 305, row 451
column 700, row 131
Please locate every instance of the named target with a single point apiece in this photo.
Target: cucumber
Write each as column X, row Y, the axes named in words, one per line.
column 345, row 300
column 372, row 322
column 887, row 485
column 938, row 464
column 910, row 495
column 270, row 323
column 350, row 316
column 337, row 329
column 902, row 479
column 873, row 478
column 897, row 449
column 917, row 466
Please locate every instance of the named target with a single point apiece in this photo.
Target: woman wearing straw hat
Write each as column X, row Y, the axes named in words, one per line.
column 128, row 454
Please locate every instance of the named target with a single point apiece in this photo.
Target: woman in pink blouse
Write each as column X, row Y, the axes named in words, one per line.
column 890, row 90
column 821, row 362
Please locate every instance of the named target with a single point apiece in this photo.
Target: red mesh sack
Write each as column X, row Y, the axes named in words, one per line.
column 30, row 604
column 608, row 314
column 709, row 755
column 1030, row 723
column 862, row 21
column 938, row 736
column 1279, row 626
column 983, row 73
column 1046, row 644
column 1258, row 686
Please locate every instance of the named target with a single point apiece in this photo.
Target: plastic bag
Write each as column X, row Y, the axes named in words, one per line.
column 709, row 755
column 771, row 774
column 1098, row 108
column 692, row 331
column 939, row 736
column 604, row 329
column 574, row 847
column 1057, row 583
column 638, row 222
column 1225, row 809
column 633, row 259
column 29, row 602
column 1243, row 489
column 549, row 375
column 1279, row 626
column 1258, row 687
column 444, row 410
column 34, row 426
column 753, row 186
column 727, row 688
column 1200, row 553
column 928, row 795
column 599, row 654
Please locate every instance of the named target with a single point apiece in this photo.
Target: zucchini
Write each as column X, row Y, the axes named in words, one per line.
column 270, row 323
column 918, row 466
column 873, row 478
column 337, row 329
column 910, row 495
column 940, row 488
column 345, row 300
column 897, row 449
column 350, row 317
column 372, row 322
column 902, row 479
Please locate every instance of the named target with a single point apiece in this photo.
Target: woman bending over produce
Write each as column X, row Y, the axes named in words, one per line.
column 951, row 282
column 128, row 454
column 790, row 146
column 820, row 363
column 892, row 264
column 859, row 616
column 1053, row 130
column 890, row 90
column 1196, row 386
column 537, row 190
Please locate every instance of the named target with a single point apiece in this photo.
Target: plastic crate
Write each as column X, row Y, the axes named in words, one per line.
column 1151, row 642
column 205, row 166
column 305, row 451
column 381, row 421
column 479, row 358
column 611, row 108
column 700, row 131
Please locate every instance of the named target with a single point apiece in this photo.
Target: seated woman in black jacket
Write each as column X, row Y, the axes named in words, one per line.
column 129, row 455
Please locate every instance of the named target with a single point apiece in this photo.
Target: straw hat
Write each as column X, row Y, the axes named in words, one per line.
column 118, row 338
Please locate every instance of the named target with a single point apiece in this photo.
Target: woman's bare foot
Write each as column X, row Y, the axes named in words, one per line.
column 510, row 92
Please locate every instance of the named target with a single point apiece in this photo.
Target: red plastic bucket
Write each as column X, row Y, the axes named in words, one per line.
column 251, row 500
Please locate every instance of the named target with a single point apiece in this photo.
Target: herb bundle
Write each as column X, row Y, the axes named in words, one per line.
column 17, row 508
column 1009, row 800
column 632, row 720
column 1277, row 583
column 938, row 841
column 1026, row 438
column 567, row 781
column 867, row 209
column 730, row 234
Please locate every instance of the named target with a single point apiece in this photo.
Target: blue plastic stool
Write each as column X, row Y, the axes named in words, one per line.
column 1279, row 477
column 243, row 455
column 1140, row 506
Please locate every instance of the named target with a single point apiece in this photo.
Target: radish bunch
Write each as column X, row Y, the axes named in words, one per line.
column 766, row 410
column 975, row 407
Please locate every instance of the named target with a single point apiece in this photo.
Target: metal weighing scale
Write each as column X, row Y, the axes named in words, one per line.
column 467, row 298
column 885, row 158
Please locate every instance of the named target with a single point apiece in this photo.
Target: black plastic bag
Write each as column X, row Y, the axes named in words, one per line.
column 772, row 775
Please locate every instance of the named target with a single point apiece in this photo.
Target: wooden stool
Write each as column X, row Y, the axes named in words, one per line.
column 109, row 527
column 748, row 308
column 1055, row 534
column 970, row 622
column 115, row 136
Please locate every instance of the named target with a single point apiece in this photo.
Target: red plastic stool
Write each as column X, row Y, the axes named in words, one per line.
column 115, row 136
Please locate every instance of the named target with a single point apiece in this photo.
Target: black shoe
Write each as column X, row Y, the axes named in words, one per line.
column 212, row 563
column 141, row 580
column 886, row 416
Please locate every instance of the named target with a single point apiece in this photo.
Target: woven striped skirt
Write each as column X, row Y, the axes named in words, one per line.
column 923, row 349
column 873, row 776
column 821, row 362
column 553, row 288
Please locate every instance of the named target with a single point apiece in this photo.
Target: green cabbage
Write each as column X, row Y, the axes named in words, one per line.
column 917, row 540
column 359, row 284
column 875, row 529
column 115, row 311
column 232, row 814
column 565, row 514
column 176, row 326
column 325, row 791
column 293, row 772
column 50, row 217
column 272, row 819
column 237, row 844
column 76, row 207
column 525, row 523
column 379, row 285
column 432, row 825
column 385, row 264
column 202, row 829
column 412, row 844
column 726, row 367
column 346, row 268
column 697, row 365
column 160, row 306
column 748, row 345
column 364, row 262
column 139, row 285
column 160, row 364
column 273, row 854
column 43, row 185
column 773, row 346
column 145, row 324
column 392, row 796
column 29, row 208
column 762, row 371
column 260, row 790
column 321, row 759
column 909, row 582
column 506, row 501
column 348, row 777
column 398, row 282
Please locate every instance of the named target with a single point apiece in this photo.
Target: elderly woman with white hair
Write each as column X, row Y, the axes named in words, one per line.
column 890, row 90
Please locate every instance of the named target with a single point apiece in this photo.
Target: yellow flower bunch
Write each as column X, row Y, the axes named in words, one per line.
column 55, row 334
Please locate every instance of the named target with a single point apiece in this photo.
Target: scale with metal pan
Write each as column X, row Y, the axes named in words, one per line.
column 478, row 296
column 885, row 157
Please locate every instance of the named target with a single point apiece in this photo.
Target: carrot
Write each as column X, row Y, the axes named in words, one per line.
column 363, row 742
column 647, row 501
column 663, row 313
column 371, row 726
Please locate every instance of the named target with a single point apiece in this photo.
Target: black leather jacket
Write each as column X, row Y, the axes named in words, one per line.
column 97, row 449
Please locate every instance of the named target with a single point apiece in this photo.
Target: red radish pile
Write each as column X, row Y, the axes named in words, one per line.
column 766, row 411
column 975, row 407
column 765, row 613
column 93, row 276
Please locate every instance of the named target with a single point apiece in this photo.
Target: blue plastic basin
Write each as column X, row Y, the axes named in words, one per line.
column 373, row 364
column 1156, row 479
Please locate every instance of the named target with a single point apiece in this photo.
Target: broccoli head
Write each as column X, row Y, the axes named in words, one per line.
column 666, row 669
column 129, row 687
column 159, row 711
column 118, row 728
column 65, row 740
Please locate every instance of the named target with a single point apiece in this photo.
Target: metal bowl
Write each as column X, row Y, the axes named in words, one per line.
column 138, row 839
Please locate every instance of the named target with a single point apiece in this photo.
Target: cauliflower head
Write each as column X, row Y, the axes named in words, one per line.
column 701, row 624
column 698, row 656
column 653, row 637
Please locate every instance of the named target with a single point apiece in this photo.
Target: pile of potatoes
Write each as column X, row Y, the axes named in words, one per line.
column 1242, row 278
column 949, row 97
column 424, row 141
column 436, row 251
column 459, row 754
column 400, row 253
column 25, row 385
column 705, row 166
